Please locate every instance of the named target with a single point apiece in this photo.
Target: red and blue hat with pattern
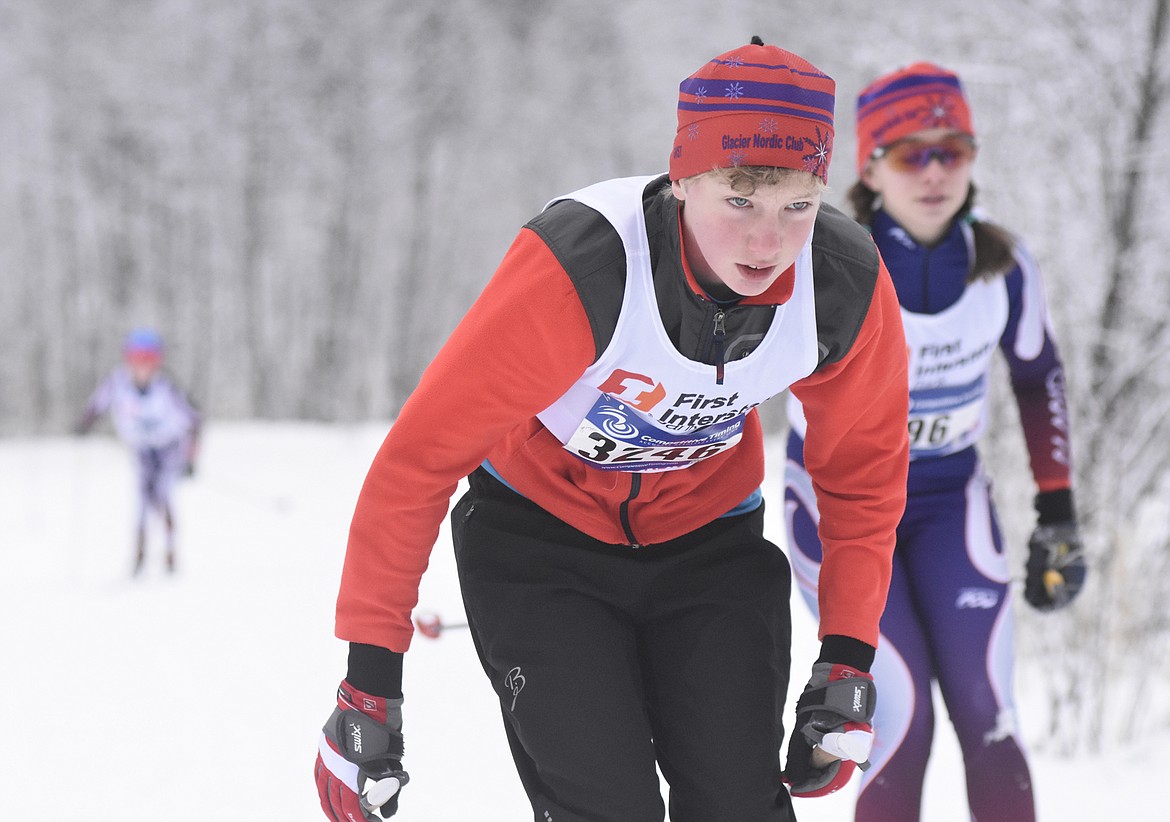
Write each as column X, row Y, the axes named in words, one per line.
column 756, row 105
column 914, row 98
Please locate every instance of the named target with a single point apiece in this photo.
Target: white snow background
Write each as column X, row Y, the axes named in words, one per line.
column 200, row 696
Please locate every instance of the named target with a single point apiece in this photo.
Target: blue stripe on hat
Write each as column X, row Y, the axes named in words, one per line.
column 783, row 92
column 716, row 93
column 718, row 107
column 911, row 84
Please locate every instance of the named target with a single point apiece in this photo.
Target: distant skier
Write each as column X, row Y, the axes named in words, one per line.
column 153, row 416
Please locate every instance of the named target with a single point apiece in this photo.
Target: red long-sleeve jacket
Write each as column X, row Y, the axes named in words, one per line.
column 543, row 318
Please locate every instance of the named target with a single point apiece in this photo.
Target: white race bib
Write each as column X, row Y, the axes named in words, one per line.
column 613, row 437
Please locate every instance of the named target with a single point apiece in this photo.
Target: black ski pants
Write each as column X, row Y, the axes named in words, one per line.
column 608, row 660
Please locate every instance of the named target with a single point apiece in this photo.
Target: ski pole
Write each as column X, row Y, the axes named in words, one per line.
column 432, row 626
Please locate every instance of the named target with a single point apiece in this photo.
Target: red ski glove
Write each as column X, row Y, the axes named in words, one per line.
column 359, row 758
column 833, row 719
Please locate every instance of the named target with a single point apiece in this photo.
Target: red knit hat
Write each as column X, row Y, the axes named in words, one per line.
column 756, row 105
column 914, row 98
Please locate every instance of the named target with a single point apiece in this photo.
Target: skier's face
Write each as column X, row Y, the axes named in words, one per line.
column 923, row 180
column 142, row 368
column 739, row 244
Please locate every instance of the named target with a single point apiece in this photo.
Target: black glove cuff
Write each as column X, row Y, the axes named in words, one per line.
column 375, row 670
column 845, row 650
column 1054, row 506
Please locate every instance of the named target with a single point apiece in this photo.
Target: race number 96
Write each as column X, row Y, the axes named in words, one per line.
column 928, row 431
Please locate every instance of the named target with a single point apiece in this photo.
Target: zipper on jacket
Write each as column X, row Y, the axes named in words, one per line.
column 624, row 510
column 720, row 337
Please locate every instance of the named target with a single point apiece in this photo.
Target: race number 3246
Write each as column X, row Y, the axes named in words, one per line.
column 596, row 447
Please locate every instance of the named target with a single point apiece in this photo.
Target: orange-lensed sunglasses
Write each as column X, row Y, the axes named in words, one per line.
column 915, row 155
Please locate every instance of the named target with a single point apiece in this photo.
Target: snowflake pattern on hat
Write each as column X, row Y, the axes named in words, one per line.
column 817, row 162
column 940, row 113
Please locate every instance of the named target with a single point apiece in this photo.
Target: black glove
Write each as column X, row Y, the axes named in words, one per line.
column 1056, row 566
column 359, row 758
column 833, row 717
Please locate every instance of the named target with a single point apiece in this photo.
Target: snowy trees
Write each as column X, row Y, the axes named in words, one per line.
column 1122, row 398
column 304, row 201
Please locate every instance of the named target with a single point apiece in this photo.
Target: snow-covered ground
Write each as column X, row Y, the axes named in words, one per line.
column 199, row 696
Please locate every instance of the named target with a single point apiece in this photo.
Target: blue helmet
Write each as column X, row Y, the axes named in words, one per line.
column 143, row 343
